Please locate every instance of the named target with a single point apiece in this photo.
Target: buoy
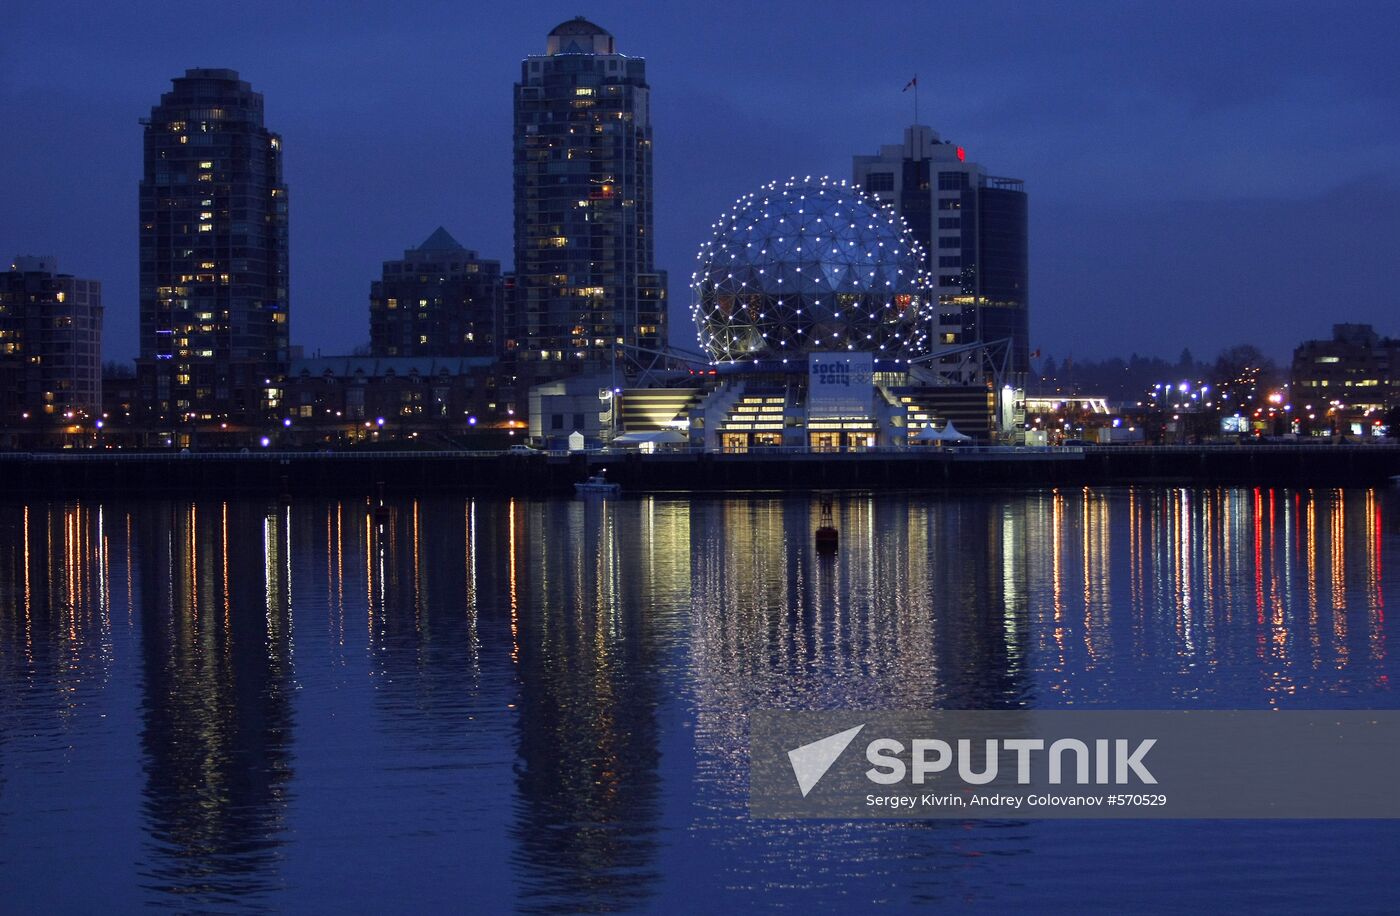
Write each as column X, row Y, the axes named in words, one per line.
column 828, row 540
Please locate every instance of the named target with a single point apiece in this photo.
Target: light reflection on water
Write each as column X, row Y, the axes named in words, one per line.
column 542, row 705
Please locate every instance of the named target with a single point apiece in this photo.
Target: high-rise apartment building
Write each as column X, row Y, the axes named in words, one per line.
column 587, row 295
column 973, row 227
column 440, row 300
column 213, row 301
column 50, row 345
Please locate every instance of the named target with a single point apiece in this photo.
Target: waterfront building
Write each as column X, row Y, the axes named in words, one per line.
column 121, row 403
column 348, row 398
column 1346, row 383
column 587, row 295
column 811, row 303
column 213, row 251
column 973, row 229
column 50, row 346
column 439, row 300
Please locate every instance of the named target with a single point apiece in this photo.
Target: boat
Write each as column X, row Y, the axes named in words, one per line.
column 597, row 485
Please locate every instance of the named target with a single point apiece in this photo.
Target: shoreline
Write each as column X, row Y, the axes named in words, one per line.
column 286, row 474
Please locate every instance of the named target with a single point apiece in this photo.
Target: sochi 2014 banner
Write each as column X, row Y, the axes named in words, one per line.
column 839, row 384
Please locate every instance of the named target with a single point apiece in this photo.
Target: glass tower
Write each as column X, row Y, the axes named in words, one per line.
column 213, row 254
column 587, row 296
column 973, row 227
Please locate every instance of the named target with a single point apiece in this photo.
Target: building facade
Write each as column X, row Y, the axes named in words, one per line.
column 349, row 398
column 213, row 298
column 50, row 346
column 440, row 300
column 973, row 227
column 1354, row 374
column 587, row 295
column 809, row 300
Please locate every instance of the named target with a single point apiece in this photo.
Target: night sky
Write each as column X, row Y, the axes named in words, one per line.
column 1200, row 174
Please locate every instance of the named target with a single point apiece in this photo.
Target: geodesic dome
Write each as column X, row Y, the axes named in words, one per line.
column 810, row 265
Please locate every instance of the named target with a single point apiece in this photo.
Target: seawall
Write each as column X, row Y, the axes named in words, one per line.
column 288, row 474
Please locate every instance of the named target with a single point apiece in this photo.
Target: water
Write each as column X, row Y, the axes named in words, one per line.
column 541, row 706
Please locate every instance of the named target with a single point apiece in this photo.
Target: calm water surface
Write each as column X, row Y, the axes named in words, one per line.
column 498, row 705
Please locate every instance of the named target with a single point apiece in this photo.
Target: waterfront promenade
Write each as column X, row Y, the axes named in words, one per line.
column 353, row 471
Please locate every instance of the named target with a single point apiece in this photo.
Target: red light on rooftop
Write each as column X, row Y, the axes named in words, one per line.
column 962, row 154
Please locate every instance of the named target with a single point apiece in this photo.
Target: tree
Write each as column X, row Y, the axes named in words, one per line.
column 1243, row 376
column 1242, row 361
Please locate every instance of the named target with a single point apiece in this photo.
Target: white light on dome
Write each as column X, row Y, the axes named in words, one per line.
column 843, row 270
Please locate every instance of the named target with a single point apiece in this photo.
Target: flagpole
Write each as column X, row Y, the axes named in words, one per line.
column 916, row 98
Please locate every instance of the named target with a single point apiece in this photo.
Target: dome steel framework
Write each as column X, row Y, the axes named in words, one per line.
column 810, row 265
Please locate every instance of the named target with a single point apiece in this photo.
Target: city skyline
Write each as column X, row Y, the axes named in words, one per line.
column 1105, row 144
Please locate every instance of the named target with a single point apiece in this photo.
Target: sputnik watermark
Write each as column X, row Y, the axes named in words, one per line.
column 934, row 755
column 811, row 761
column 1074, row 764
column 1110, row 761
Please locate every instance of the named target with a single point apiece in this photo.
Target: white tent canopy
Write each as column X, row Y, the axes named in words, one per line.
column 948, row 433
column 655, row 437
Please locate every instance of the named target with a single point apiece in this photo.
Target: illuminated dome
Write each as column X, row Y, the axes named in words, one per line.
column 810, row 265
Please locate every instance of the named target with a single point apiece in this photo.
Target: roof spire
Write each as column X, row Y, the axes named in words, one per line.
column 440, row 240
